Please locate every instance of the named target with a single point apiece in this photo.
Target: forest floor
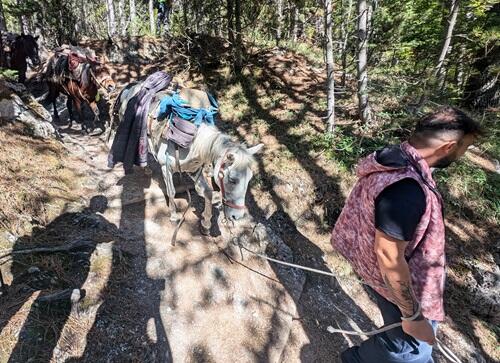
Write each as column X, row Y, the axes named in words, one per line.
column 142, row 300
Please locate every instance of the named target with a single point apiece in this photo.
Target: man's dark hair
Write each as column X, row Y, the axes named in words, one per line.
column 445, row 122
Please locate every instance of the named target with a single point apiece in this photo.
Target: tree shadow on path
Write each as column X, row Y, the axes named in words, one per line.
column 128, row 326
column 54, row 277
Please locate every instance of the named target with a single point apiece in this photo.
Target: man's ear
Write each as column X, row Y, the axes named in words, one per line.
column 446, row 147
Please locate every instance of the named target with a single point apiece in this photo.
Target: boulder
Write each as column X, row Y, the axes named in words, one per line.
column 17, row 105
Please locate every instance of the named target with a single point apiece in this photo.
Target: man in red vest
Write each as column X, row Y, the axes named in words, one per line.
column 392, row 231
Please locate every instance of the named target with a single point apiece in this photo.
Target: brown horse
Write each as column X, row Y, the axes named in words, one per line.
column 79, row 77
column 16, row 50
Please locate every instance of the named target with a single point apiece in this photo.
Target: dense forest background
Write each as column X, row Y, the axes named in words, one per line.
column 321, row 83
column 423, row 48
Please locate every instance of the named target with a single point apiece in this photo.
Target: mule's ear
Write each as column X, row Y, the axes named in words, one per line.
column 36, row 38
column 229, row 159
column 255, row 149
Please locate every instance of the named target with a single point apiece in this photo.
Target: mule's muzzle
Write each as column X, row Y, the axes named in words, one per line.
column 35, row 61
column 234, row 214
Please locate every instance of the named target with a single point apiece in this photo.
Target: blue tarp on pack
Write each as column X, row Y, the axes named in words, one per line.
column 176, row 105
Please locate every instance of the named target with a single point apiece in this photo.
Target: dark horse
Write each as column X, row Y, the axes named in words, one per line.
column 16, row 50
column 76, row 73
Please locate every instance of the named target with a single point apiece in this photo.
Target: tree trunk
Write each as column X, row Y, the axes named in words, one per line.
column 363, row 105
column 295, row 29
column 330, row 65
column 3, row 24
column 152, row 22
column 439, row 74
column 238, row 56
column 185, row 14
column 110, row 12
column 23, row 20
column 133, row 17
column 83, row 17
column 230, row 22
column 345, row 38
column 279, row 5
column 122, row 17
column 482, row 89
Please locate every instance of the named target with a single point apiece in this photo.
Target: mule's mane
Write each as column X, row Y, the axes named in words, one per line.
column 210, row 144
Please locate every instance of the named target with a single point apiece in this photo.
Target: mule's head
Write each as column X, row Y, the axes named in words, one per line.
column 29, row 46
column 103, row 77
column 233, row 174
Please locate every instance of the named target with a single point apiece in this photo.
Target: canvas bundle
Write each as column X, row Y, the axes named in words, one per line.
column 181, row 131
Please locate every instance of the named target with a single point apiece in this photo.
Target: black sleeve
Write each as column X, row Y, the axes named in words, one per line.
column 398, row 209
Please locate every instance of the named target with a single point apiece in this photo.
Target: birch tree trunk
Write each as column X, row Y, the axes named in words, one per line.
column 110, row 12
column 439, row 74
column 330, row 65
column 83, row 17
column 133, row 17
column 363, row 105
column 345, row 38
column 122, row 17
column 279, row 4
column 152, row 22
column 295, row 30
column 23, row 21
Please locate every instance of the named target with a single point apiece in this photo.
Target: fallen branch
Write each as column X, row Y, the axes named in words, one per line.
column 75, row 245
column 67, row 295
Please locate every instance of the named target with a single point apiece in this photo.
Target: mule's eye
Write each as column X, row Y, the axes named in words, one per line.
column 232, row 180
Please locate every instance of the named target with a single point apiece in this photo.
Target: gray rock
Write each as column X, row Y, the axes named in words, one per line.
column 18, row 105
column 11, row 108
column 33, row 270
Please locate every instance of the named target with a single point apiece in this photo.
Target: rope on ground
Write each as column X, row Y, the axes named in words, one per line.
column 447, row 352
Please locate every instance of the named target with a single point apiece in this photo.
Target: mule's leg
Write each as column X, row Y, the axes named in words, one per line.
column 97, row 119
column 69, row 106
column 52, row 99
column 81, row 118
column 169, row 183
column 22, row 73
column 204, row 190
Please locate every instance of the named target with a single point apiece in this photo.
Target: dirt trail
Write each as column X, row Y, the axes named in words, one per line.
column 188, row 302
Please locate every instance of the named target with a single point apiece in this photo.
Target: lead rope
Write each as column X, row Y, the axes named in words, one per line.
column 447, row 352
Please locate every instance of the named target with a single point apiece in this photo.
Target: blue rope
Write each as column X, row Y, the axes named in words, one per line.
column 176, row 105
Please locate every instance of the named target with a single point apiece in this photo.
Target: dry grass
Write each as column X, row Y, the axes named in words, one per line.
column 36, row 181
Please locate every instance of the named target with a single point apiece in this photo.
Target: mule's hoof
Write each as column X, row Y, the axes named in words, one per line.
column 204, row 230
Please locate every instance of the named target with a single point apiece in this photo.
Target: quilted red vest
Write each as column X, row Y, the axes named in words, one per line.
column 354, row 233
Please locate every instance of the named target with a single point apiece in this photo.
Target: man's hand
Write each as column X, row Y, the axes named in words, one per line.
column 420, row 329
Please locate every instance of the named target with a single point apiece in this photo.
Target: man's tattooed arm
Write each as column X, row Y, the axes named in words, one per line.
column 403, row 296
column 395, row 272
